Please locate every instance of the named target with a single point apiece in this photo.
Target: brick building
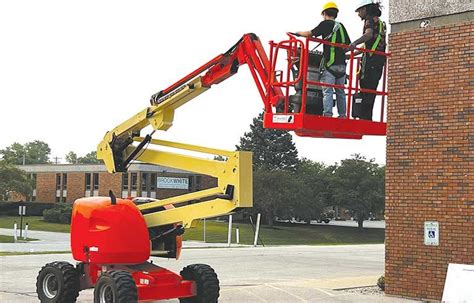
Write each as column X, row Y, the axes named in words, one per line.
column 430, row 144
column 68, row 182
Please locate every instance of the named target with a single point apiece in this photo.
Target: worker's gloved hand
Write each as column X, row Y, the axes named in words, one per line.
column 352, row 46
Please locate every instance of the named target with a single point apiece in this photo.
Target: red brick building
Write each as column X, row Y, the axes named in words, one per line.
column 68, row 182
column 430, row 145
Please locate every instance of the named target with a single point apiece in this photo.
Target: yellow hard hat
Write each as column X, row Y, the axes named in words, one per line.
column 330, row 5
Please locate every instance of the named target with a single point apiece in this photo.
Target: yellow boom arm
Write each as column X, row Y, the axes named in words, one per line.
column 234, row 175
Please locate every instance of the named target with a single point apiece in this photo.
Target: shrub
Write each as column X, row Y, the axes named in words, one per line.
column 51, row 215
column 60, row 213
column 65, row 218
column 32, row 208
column 381, row 282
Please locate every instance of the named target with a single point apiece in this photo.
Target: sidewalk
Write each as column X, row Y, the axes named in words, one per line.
column 53, row 241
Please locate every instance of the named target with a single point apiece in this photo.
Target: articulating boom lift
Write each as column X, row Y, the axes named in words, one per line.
column 112, row 238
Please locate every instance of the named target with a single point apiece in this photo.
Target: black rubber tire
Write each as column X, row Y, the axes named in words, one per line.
column 118, row 286
column 207, row 283
column 57, row 282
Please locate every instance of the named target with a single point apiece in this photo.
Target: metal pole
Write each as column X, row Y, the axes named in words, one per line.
column 14, row 231
column 21, row 220
column 237, row 236
column 229, row 234
column 257, row 230
column 26, row 231
column 204, row 231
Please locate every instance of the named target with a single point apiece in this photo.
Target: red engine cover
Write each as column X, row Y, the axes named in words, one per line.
column 105, row 233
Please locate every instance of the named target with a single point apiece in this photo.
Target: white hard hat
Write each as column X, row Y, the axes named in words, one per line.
column 363, row 3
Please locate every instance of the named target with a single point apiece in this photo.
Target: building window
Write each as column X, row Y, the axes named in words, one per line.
column 134, row 181
column 33, row 179
column 64, row 181
column 96, row 181
column 191, row 183
column 88, row 182
column 198, row 183
column 152, row 182
column 144, row 182
column 58, row 181
column 125, row 182
column 58, row 199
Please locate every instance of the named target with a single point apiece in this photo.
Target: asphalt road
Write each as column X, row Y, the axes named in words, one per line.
column 247, row 274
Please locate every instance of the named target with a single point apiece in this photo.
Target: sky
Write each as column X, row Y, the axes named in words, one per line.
column 72, row 70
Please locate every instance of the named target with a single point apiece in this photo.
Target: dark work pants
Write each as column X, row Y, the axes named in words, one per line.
column 372, row 75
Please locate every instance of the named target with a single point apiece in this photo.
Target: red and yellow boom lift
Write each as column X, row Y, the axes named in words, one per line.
column 112, row 239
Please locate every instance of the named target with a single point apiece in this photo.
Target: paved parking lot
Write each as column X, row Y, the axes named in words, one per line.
column 247, row 274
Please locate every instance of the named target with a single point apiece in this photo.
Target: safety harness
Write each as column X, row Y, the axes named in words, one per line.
column 379, row 37
column 374, row 47
column 332, row 54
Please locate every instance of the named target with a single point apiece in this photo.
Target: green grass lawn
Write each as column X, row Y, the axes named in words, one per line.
column 216, row 232
column 10, row 239
column 34, row 223
column 15, row 253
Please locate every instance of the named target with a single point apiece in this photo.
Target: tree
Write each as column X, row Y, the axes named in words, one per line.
column 274, row 159
column 359, row 186
column 314, row 192
column 13, row 179
column 36, row 152
column 272, row 149
column 274, row 193
column 71, row 157
column 89, row 158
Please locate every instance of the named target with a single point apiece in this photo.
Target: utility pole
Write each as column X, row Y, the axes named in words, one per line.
column 56, row 159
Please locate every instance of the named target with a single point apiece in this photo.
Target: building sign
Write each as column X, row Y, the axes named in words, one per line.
column 431, row 233
column 174, row 183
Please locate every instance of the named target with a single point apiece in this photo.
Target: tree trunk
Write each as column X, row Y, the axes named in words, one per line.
column 360, row 223
column 270, row 221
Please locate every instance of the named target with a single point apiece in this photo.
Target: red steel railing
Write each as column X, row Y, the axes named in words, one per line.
column 294, row 45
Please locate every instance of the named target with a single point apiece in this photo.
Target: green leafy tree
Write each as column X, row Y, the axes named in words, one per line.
column 272, row 149
column 274, row 193
column 13, row 179
column 275, row 158
column 359, row 186
column 314, row 192
column 71, row 157
column 36, row 152
column 89, row 158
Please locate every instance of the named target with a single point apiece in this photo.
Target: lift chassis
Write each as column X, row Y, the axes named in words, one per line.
column 112, row 239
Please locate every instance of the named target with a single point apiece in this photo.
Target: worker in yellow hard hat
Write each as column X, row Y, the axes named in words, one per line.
column 334, row 63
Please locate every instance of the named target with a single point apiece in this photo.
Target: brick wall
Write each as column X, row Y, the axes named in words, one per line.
column 46, row 187
column 108, row 182
column 76, row 186
column 430, row 157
